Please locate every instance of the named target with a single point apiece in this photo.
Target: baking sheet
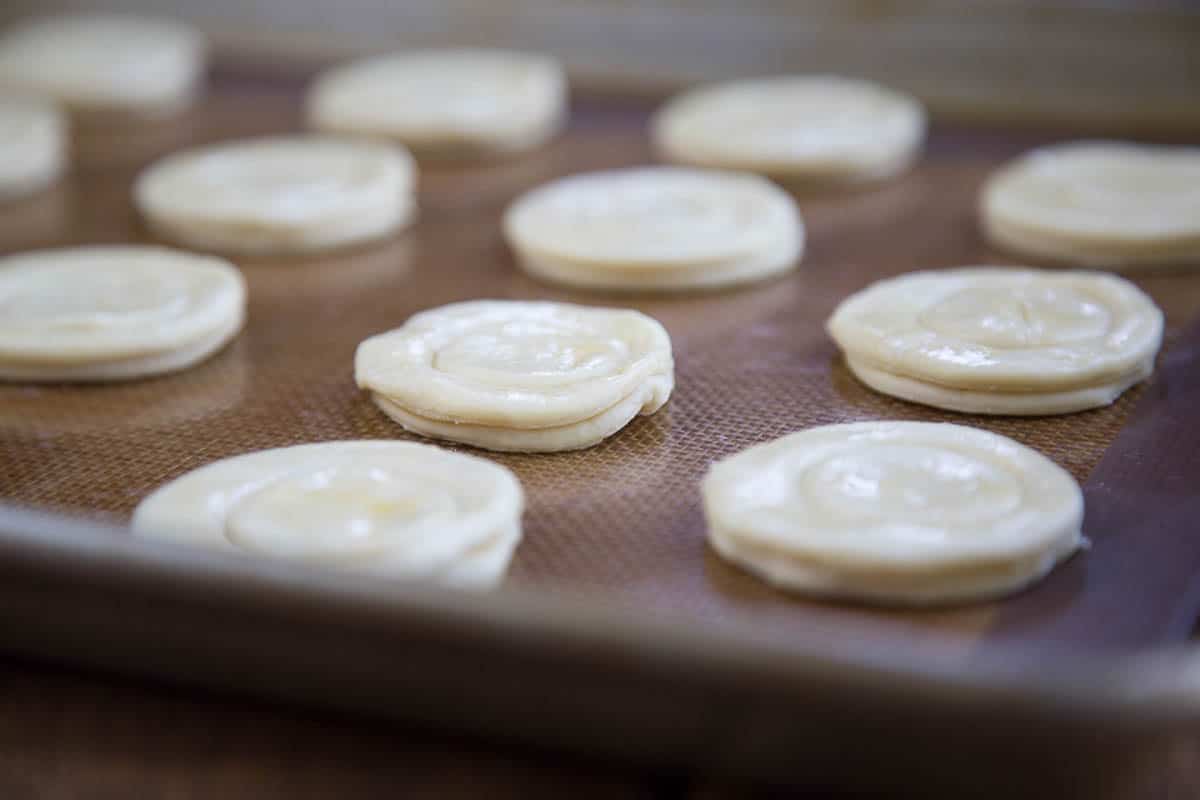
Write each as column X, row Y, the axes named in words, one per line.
column 619, row 523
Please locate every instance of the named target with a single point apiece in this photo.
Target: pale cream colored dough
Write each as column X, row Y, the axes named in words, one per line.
column 897, row 513
column 1015, row 404
column 287, row 194
column 655, row 228
column 392, row 509
column 105, row 64
column 113, row 312
column 1109, row 204
column 999, row 340
column 447, row 103
column 800, row 128
column 33, row 145
column 519, row 376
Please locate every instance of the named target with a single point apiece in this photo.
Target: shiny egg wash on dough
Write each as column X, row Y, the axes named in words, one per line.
column 655, row 228
column 391, row 509
column 996, row 340
column 280, row 194
column 114, row 312
column 519, row 375
column 798, row 128
column 1114, row 204
column 111, row 66
column 900, row 513
column 449, row 103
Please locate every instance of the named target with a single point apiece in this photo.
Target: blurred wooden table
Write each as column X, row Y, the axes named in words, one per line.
column 71, row 735
column 66, row 734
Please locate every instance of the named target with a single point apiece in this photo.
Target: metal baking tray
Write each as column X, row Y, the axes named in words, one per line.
column 617, row 631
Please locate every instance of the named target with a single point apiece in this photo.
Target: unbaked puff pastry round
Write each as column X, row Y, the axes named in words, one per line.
column 1110, row 204
column 445, row 103
column 519, row 376
column 107, row 313
column 896, row 513
column 796, row 129
column 992, row 340
column 655, row 228
column 105, row 65
column 391, row 509
column 287, row 194
column 33, row 145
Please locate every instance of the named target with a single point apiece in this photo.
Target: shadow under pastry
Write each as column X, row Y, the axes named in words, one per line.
column 210, row 387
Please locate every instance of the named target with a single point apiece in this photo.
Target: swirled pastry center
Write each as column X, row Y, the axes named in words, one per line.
column 388, row 508
column 874, row 499
column 1018, row 317
column 287, row 181
column 652, row 215
column 909, row 484
column 338, row 513
column 74, row 299
column 536, row 348
column 1108, row 192
column 1002, row 330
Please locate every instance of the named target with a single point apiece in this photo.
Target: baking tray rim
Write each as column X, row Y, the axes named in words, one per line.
column 1154, row 688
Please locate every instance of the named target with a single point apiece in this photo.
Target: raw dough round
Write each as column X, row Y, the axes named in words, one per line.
column 1013, row 404
column 445, row 102
column 904, row 513
column 653, row 228
column 279, row 194
column 1000, row 340
column 1099, row 203
column 105, row 63
column 394, row 509
column 33, row 145
column 114, row 312
column 519, row 376
column 818, row 128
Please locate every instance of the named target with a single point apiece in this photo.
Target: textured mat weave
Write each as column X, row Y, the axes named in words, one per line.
column 621, row 519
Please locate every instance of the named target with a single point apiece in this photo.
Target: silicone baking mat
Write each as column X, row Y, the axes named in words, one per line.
column 620, row 522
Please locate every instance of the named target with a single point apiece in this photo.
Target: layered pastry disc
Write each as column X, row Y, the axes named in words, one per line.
column 993, row 340
column 114, row 312
column 288, row 194
column 393, row 509
column 803, row 128
column 655, row 228
column 33, row 145
column 520, row 376
column 105, row 65
column 445, row 103
column 904, row 513
column 1098, row 203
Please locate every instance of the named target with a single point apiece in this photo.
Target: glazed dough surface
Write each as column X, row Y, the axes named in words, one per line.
column 444, row 101
column 655, row 227
column 816, row 127
column 33, row 144
column 279, row 194
column 894, row 512
column 512, row 375
column 110, row 312
column 1107, row 203
column 104, row 62
column 396, row 509
column 1002, row 329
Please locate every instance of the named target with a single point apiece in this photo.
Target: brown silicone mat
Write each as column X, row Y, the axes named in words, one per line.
column 620, row 522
